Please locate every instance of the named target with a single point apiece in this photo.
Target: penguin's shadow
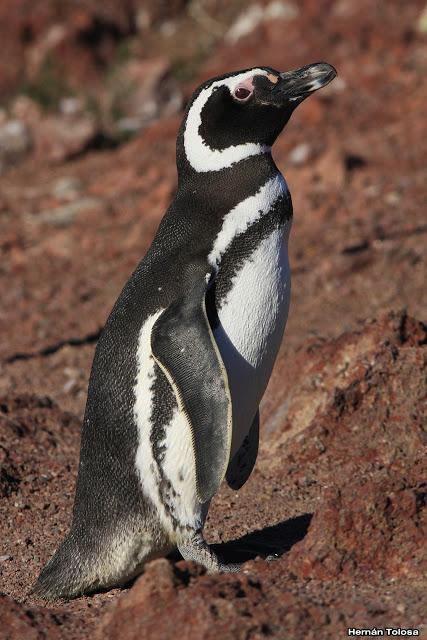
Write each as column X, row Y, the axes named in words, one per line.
column 271, row 541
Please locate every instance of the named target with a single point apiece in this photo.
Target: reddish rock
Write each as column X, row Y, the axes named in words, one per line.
column 153, row 592
column 39, row 446
column 141, row 92
column 267, row 604
column 372, row 528
column 36, row 31
column 337, row 491
column 362, row 446
column 19, row 622
column 70, row 42
column 15, row 142
column 318, row 372
column 58, row 138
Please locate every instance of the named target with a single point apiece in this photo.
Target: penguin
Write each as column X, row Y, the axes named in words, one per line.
column 186, row 354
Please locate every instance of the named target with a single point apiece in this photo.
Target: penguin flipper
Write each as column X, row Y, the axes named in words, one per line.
column 243, row 461
column 183, row 345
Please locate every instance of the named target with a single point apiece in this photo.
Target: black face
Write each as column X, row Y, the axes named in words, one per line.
column 256, row 107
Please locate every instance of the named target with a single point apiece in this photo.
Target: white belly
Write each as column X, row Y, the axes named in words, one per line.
column 252, row 321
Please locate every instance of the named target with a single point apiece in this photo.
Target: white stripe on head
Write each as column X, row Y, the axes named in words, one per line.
column 199, row 154
column 246, row 213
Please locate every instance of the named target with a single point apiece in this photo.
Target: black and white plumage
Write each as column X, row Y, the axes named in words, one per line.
column 187, row 352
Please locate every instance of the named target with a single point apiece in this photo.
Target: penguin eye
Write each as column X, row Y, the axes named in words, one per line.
column 242, row 94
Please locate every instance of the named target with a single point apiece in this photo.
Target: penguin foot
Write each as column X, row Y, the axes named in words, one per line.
column 198, row 550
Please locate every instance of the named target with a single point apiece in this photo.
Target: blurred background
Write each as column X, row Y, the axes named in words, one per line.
column 91, row 96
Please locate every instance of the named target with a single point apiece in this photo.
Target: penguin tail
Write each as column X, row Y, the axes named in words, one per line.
column 65, row 576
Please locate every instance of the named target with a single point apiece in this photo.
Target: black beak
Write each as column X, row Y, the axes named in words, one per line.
column 298, row 84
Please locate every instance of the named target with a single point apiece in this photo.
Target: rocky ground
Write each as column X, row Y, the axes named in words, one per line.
column 338, row 494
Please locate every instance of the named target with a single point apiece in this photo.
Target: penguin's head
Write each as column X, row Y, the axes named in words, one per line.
column 241, row 114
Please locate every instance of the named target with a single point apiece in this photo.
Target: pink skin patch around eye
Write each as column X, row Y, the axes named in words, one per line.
column 246, row 84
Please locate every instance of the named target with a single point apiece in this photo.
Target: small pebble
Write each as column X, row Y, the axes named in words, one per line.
column 300, row 154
